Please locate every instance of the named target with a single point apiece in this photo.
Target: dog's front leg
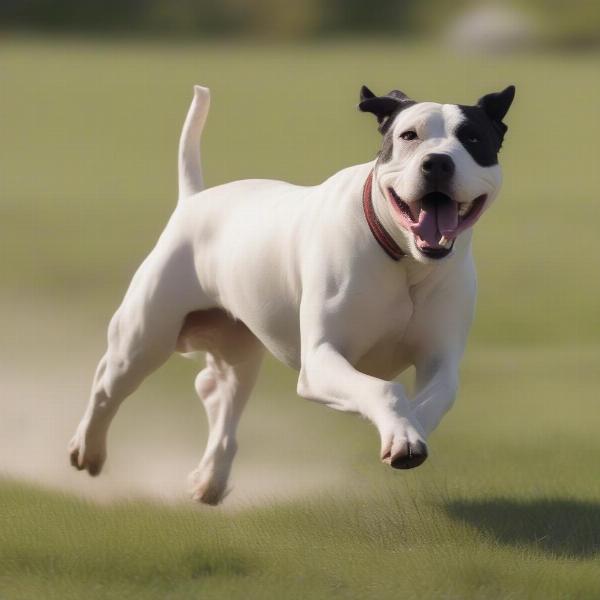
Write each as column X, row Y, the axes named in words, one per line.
column 437, row 383
column 327, row 376
column 443, row 322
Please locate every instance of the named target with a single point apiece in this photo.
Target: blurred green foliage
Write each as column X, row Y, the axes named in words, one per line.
column 256, row 17
column 558, row 20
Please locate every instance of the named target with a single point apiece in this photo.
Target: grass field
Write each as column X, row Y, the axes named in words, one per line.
column 507, row 506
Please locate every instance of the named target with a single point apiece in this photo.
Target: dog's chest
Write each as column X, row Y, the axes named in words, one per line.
column 376, row 319
column 393, row 323
column 390, row 352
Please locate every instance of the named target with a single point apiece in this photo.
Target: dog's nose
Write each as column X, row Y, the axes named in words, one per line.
column 437, row 168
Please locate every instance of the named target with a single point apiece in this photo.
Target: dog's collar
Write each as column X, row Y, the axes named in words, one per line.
column 384, row 239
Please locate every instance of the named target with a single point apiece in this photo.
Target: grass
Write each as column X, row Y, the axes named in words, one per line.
column 404, row 540
column 506, row 507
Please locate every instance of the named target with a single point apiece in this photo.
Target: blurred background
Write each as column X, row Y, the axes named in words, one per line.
column 92, row 98
column 574, row 24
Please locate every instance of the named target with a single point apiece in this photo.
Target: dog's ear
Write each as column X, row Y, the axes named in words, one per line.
column 496, row 105
column 400, row 96
column 383, row 107
column 366, row 93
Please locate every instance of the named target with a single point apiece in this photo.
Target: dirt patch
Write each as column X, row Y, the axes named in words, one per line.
column 45, row 373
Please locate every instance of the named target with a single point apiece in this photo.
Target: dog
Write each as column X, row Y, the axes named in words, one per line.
column 349, row 282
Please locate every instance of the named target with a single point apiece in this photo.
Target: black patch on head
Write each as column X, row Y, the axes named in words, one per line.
column 478, row 135
column 386, row 109
column 482, row 131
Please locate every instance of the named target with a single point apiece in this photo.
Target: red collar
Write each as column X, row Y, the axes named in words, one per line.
column 384, row 239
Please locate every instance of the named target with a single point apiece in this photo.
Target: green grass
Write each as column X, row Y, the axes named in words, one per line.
column 411, row 536
column 506, row 507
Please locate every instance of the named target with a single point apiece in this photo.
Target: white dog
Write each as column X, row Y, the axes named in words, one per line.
column 349, row 282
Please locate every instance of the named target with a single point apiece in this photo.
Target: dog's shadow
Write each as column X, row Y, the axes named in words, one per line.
column 562, row 527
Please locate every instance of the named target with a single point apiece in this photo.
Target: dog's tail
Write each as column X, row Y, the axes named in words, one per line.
column 190, row 170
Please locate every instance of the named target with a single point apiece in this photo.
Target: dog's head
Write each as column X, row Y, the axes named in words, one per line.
column 438, row 165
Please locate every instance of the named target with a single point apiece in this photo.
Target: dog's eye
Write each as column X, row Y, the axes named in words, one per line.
column 473, row 139
column 409, row 135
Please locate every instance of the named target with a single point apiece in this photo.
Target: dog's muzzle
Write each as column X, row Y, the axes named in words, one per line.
column 436, row 220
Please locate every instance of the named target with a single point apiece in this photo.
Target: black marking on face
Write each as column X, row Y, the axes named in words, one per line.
column 479, row 136
column 482, row 131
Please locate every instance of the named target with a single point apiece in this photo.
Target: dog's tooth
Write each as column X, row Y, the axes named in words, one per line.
column 445, row 242
column 463, row 209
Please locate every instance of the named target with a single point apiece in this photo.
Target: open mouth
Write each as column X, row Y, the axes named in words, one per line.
column 436, row 220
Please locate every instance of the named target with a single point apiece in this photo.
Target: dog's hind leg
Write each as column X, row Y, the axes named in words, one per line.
column 233, row 360
column 141, row 337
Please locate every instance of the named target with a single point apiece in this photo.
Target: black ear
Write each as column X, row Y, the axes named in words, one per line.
column 383, row 107
column 496, row 105
column 366, row 93
column 400, row 96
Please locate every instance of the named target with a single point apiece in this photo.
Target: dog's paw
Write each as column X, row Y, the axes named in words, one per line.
column 206, row 487
column 408, row 457
column 403, row 448
column 86, row 454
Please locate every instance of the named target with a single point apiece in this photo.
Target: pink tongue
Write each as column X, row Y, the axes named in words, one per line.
column 438, row 217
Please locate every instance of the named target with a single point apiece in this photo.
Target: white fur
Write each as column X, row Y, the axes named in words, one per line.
column 190, row 173
column 261, row 263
